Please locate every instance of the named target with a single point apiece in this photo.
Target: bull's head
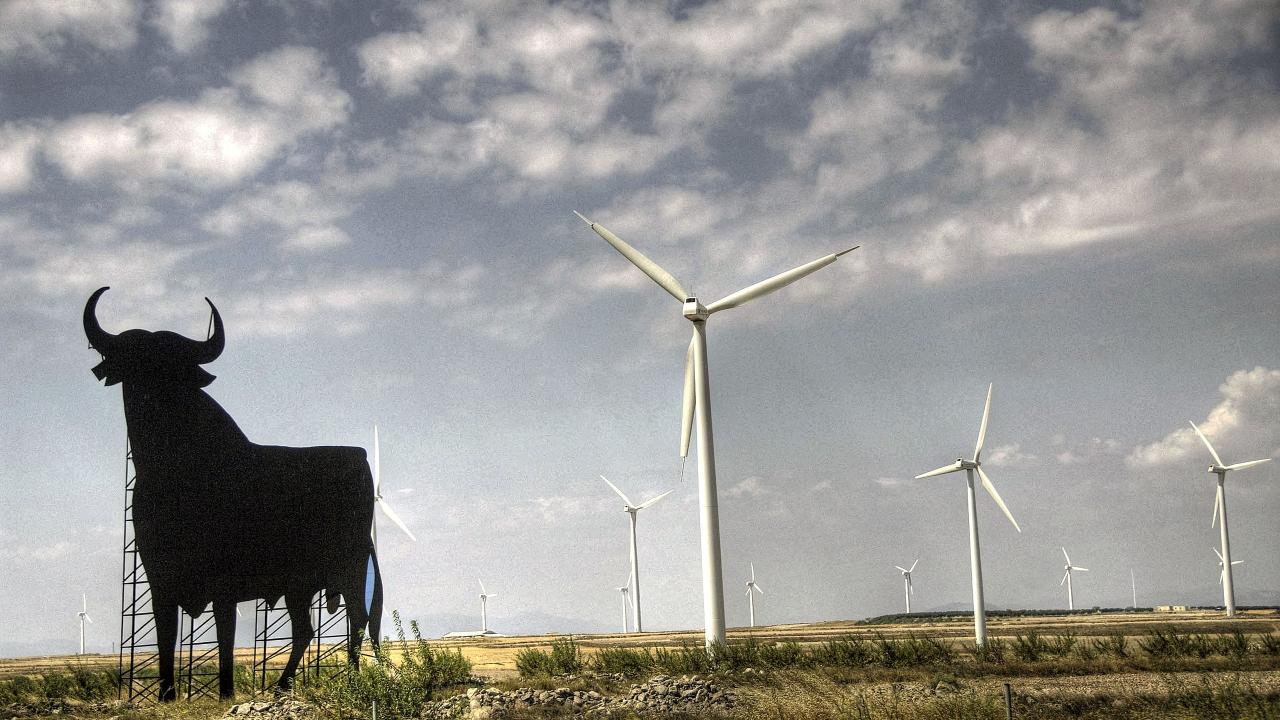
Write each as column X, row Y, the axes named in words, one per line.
column 144, row 356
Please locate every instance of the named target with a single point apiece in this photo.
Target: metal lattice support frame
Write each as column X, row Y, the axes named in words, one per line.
column 273, row 636
column 139, row 661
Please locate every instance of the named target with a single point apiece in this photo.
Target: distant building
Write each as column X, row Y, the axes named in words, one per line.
column 1171, row 608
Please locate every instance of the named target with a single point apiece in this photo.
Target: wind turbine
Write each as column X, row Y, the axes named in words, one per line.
column 906, row 580
column 369, row 586
column 697, row 397
column 751, row 599
column 975, row 555
column 1133, row 585
column 1222, row 568
column 626, row 603
column 1220, row 512
column 1071, row 602
column 83, row 615
column 484, row 607
column 631, row 509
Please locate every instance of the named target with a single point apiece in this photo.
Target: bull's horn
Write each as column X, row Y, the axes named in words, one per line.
column 100, row 339
column 210, row 349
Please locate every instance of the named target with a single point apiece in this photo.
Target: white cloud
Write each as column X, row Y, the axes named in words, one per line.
column 748, row 487
column 1011, row 456
column 301, row 214
column 18, row 145
column 1244, row 425
column 41, row 30
column 185, row 23
column 226, row 135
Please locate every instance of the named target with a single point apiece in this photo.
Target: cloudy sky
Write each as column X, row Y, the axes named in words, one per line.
column 1076, row 203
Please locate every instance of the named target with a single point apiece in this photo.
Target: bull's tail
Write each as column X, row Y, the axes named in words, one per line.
column 373, row 598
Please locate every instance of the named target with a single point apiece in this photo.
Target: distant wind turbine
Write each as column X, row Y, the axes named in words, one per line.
column 1222, row 566
column 1133, row 585
column 484, row 606
column 1071, row 602
column 975, row 554
column 1220, row 513
column 907, row 590
column 697, row 397
column 626, row 604
column 751, row 600
column 631, row 509
column 83, row 615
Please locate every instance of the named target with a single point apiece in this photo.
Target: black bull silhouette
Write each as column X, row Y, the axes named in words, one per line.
column 219, row 519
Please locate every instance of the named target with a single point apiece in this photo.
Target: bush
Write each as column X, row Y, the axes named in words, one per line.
column 687, row 659
column 400, row 690
column 913, row 651
column 1113, row 645
column 1061, row 645
column 1030, row 647
column 850, row 651
column 993, row 651
column 77, row 682
column 564, row 658
column 627, row 661
column 1270, row 644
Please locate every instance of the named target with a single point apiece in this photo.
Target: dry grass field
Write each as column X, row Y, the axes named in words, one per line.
column 1088, row 686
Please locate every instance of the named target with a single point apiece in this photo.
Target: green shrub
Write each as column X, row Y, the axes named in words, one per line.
column 1030, row 647
column 1113, row 645
column 564, row 658
column 1235, row 645
column 687, row 659
column 994, row 651
column 850, row 651
column 913, row 651
column 400, row 689
column 627, row 661
column 1062, row 645
column 1270, row 644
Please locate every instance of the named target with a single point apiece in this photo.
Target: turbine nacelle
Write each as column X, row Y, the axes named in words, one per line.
column 694, row 310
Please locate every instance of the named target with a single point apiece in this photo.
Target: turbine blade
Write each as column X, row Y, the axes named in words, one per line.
column 753, row 572
column 781, row 280
column 1233, row 562
column 1215, row 552
column 953, row 467
column 982, row 430
column 688, row 400
column 761, row 590
column 1249, row 464
column 1080, row 569
column 377, row 464
column 991, row 490
column 637, row 258
column 482, row 590
column 653, row 500
column 1063, row 581
column 902, row 568
column 621, row 494
column 86, row 615
column 394, row 518
column 1065, row 555
column 913, row 565
column 1217, row 503
column 1217, row 460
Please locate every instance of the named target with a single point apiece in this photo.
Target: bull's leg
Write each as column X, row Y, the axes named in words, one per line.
column 299, row 605
column 224, row 616
column 166, row 615
column 357, row 614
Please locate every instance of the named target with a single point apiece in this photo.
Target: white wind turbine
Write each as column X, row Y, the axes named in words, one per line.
column 697, row 398
column 906, row 582
column 484, row 607
column 83, row 615
column 626, row 604
column 751, row 599
column 631, row 509
column 1068, row 568
column 1133, row 585
column 1220, row 513
column 385, row 507
column 975, row 555
column 1222, row 567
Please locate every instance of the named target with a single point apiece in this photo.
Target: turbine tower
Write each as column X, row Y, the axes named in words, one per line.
column 631, row 509
column 626, row 604
column 1133, row 585
column 751, row 599
column 1220, row 513
column 83, row 615
column 1071, row 602
column 484, row 607
column 1222, row 569
column 697, row 397
column 907, row 590
column 975, row 555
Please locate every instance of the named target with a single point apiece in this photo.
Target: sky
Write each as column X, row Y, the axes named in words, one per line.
column 1075, row 202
